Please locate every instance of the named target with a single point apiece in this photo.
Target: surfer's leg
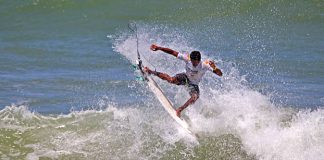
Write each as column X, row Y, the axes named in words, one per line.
column 163, row 76
column 192, row 100
column 194, row 93
column 166, row 77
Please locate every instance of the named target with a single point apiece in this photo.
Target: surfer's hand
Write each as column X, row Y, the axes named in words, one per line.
column 154, row 47
column 218, row 72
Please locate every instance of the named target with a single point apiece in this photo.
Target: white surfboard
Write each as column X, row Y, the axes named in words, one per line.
column 166, row 103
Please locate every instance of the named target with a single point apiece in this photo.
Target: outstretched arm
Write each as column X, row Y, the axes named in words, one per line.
column 166, row 50
column 215, row 69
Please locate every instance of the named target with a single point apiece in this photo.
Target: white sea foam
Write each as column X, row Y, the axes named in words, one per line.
column 227, row 105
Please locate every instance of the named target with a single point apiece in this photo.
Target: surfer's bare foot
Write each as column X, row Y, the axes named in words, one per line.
column 178, row 112
column 147, row 70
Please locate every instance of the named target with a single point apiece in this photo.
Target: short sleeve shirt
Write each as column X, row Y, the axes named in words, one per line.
column 194, row 74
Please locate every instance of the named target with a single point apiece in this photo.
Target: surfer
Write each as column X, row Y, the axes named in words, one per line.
column 195, row 70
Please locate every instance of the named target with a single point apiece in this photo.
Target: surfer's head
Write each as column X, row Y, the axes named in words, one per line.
column 195, row 58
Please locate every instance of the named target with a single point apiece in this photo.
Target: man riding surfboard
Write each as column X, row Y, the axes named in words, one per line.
column 195, row 70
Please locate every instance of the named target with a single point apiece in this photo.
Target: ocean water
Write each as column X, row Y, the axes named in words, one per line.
column 68, row 91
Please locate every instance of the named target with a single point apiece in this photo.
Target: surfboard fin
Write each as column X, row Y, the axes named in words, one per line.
column 134, row 67
column 140, row 78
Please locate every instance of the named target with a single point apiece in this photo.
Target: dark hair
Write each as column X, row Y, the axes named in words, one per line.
column 195, row 55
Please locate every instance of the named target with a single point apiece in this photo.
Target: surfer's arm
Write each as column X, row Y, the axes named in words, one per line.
column 166, row 50
column 218, row 72
column 214, row 69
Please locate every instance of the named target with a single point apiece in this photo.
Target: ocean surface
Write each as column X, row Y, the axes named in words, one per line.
column 68, row 89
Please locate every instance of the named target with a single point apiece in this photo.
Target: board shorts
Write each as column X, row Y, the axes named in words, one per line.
column 184, row 80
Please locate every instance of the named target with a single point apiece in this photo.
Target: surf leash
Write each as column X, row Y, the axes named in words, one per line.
column 139, row 63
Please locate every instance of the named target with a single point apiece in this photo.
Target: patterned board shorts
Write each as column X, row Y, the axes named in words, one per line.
column 184, row 80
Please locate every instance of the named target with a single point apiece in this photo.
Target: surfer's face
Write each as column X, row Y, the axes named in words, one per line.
column 195, row 62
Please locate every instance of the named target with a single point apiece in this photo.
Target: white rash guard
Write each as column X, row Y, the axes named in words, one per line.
column 194, row 74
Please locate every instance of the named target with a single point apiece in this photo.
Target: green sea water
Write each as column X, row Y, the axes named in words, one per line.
column 68, row 91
